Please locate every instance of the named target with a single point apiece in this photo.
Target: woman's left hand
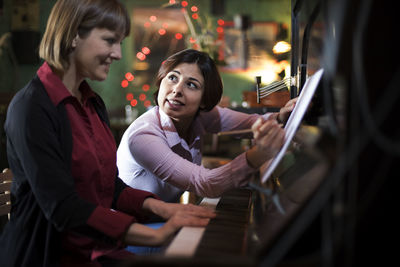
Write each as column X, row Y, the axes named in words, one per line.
column 285, row 111
column 168, row 210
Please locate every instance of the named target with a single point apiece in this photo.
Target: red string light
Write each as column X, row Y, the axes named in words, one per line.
column 184, row 3
column 146, row 50
column 129, row 96
column 145, row 87
column 129, row 76
column 147, row 103
column 220, row 22
column 194, row 9
column 195, row 16
column 142, row 97
column 161, row 31
column 133, row 102
column 124, row 83
column 141, row 56
column 178, row 36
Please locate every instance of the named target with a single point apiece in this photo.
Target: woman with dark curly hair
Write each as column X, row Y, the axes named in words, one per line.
column 161, row 150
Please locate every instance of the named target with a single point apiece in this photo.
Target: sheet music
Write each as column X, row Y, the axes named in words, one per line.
column 295, row 118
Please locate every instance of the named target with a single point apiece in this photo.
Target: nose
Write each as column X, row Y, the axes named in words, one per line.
column 116, row 51
column 178, row 88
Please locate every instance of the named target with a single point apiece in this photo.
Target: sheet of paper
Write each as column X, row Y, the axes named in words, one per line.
column 295, row 119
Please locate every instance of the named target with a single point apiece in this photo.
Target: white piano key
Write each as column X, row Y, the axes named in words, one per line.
column 188, row 238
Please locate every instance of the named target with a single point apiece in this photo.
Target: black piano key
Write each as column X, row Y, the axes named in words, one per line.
column 226, row 234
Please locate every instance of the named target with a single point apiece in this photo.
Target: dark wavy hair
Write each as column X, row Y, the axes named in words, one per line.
column 212, row 80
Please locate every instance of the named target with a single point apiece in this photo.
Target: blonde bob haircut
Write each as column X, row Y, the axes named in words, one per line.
column 71, row 17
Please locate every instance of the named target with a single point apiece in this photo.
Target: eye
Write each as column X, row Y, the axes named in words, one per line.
column 111, row 41
column 192, row 85
column 172, row 77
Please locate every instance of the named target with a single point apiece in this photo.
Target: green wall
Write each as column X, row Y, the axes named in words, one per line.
column 110, row 90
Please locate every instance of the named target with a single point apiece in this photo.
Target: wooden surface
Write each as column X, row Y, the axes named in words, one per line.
column 274, row 100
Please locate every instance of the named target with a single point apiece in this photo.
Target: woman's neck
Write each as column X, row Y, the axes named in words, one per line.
column 71, row 81
column 183, row 128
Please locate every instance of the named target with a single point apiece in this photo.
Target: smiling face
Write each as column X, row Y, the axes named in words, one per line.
column 94, row 54
column 180, row 94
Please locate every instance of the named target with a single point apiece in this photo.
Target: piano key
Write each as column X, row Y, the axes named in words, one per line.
column 227, row 233
column 186, row 241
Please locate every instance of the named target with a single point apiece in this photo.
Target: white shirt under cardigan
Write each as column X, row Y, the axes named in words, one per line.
column 152, row 156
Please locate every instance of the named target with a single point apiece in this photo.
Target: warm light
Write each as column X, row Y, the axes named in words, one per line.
column 191, row 40
column 142, row 97
column 147, row 24
column 124, row 83
column 195, row 16
column 194, row 8
column 129, row 76
column 184, row 3
column 281, row 47
column 129, row 96
column 153, row 18
column 161, row 31
column 145, row 87
column 146, row 50
column 147, row 103
column 220, row 22
column 133, row 102
column 178, row 36
column 141, row 56
column 165, row 25
column 220, row 29
column 185, row 198
column 140, row 65
column 172, row 2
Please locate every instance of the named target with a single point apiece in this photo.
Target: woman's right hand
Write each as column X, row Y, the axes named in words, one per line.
column 269, row 137
column 180, row 215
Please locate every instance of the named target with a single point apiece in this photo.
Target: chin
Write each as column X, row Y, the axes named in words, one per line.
column 100, row 77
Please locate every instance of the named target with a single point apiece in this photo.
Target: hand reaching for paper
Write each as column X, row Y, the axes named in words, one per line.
column 285, row 111
column 269, row 138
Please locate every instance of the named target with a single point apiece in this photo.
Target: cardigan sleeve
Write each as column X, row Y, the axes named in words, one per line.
column 170, row 167
column 226, row 119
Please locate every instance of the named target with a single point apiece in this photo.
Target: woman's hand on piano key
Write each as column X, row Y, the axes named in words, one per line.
column 178, row 215
column 168, row 210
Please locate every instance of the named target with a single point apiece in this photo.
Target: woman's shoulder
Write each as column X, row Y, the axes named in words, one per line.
column 151, row 116
column 148, row 122
column 31, row 96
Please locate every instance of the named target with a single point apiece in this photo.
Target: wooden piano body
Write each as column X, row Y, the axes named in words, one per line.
column 339, row 188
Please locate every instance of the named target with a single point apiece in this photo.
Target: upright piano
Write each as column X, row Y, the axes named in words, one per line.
column 330, row 201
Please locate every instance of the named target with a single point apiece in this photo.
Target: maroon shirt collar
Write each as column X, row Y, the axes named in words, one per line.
column 56, row 89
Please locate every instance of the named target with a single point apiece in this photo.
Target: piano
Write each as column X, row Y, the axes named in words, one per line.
column 330, row 201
